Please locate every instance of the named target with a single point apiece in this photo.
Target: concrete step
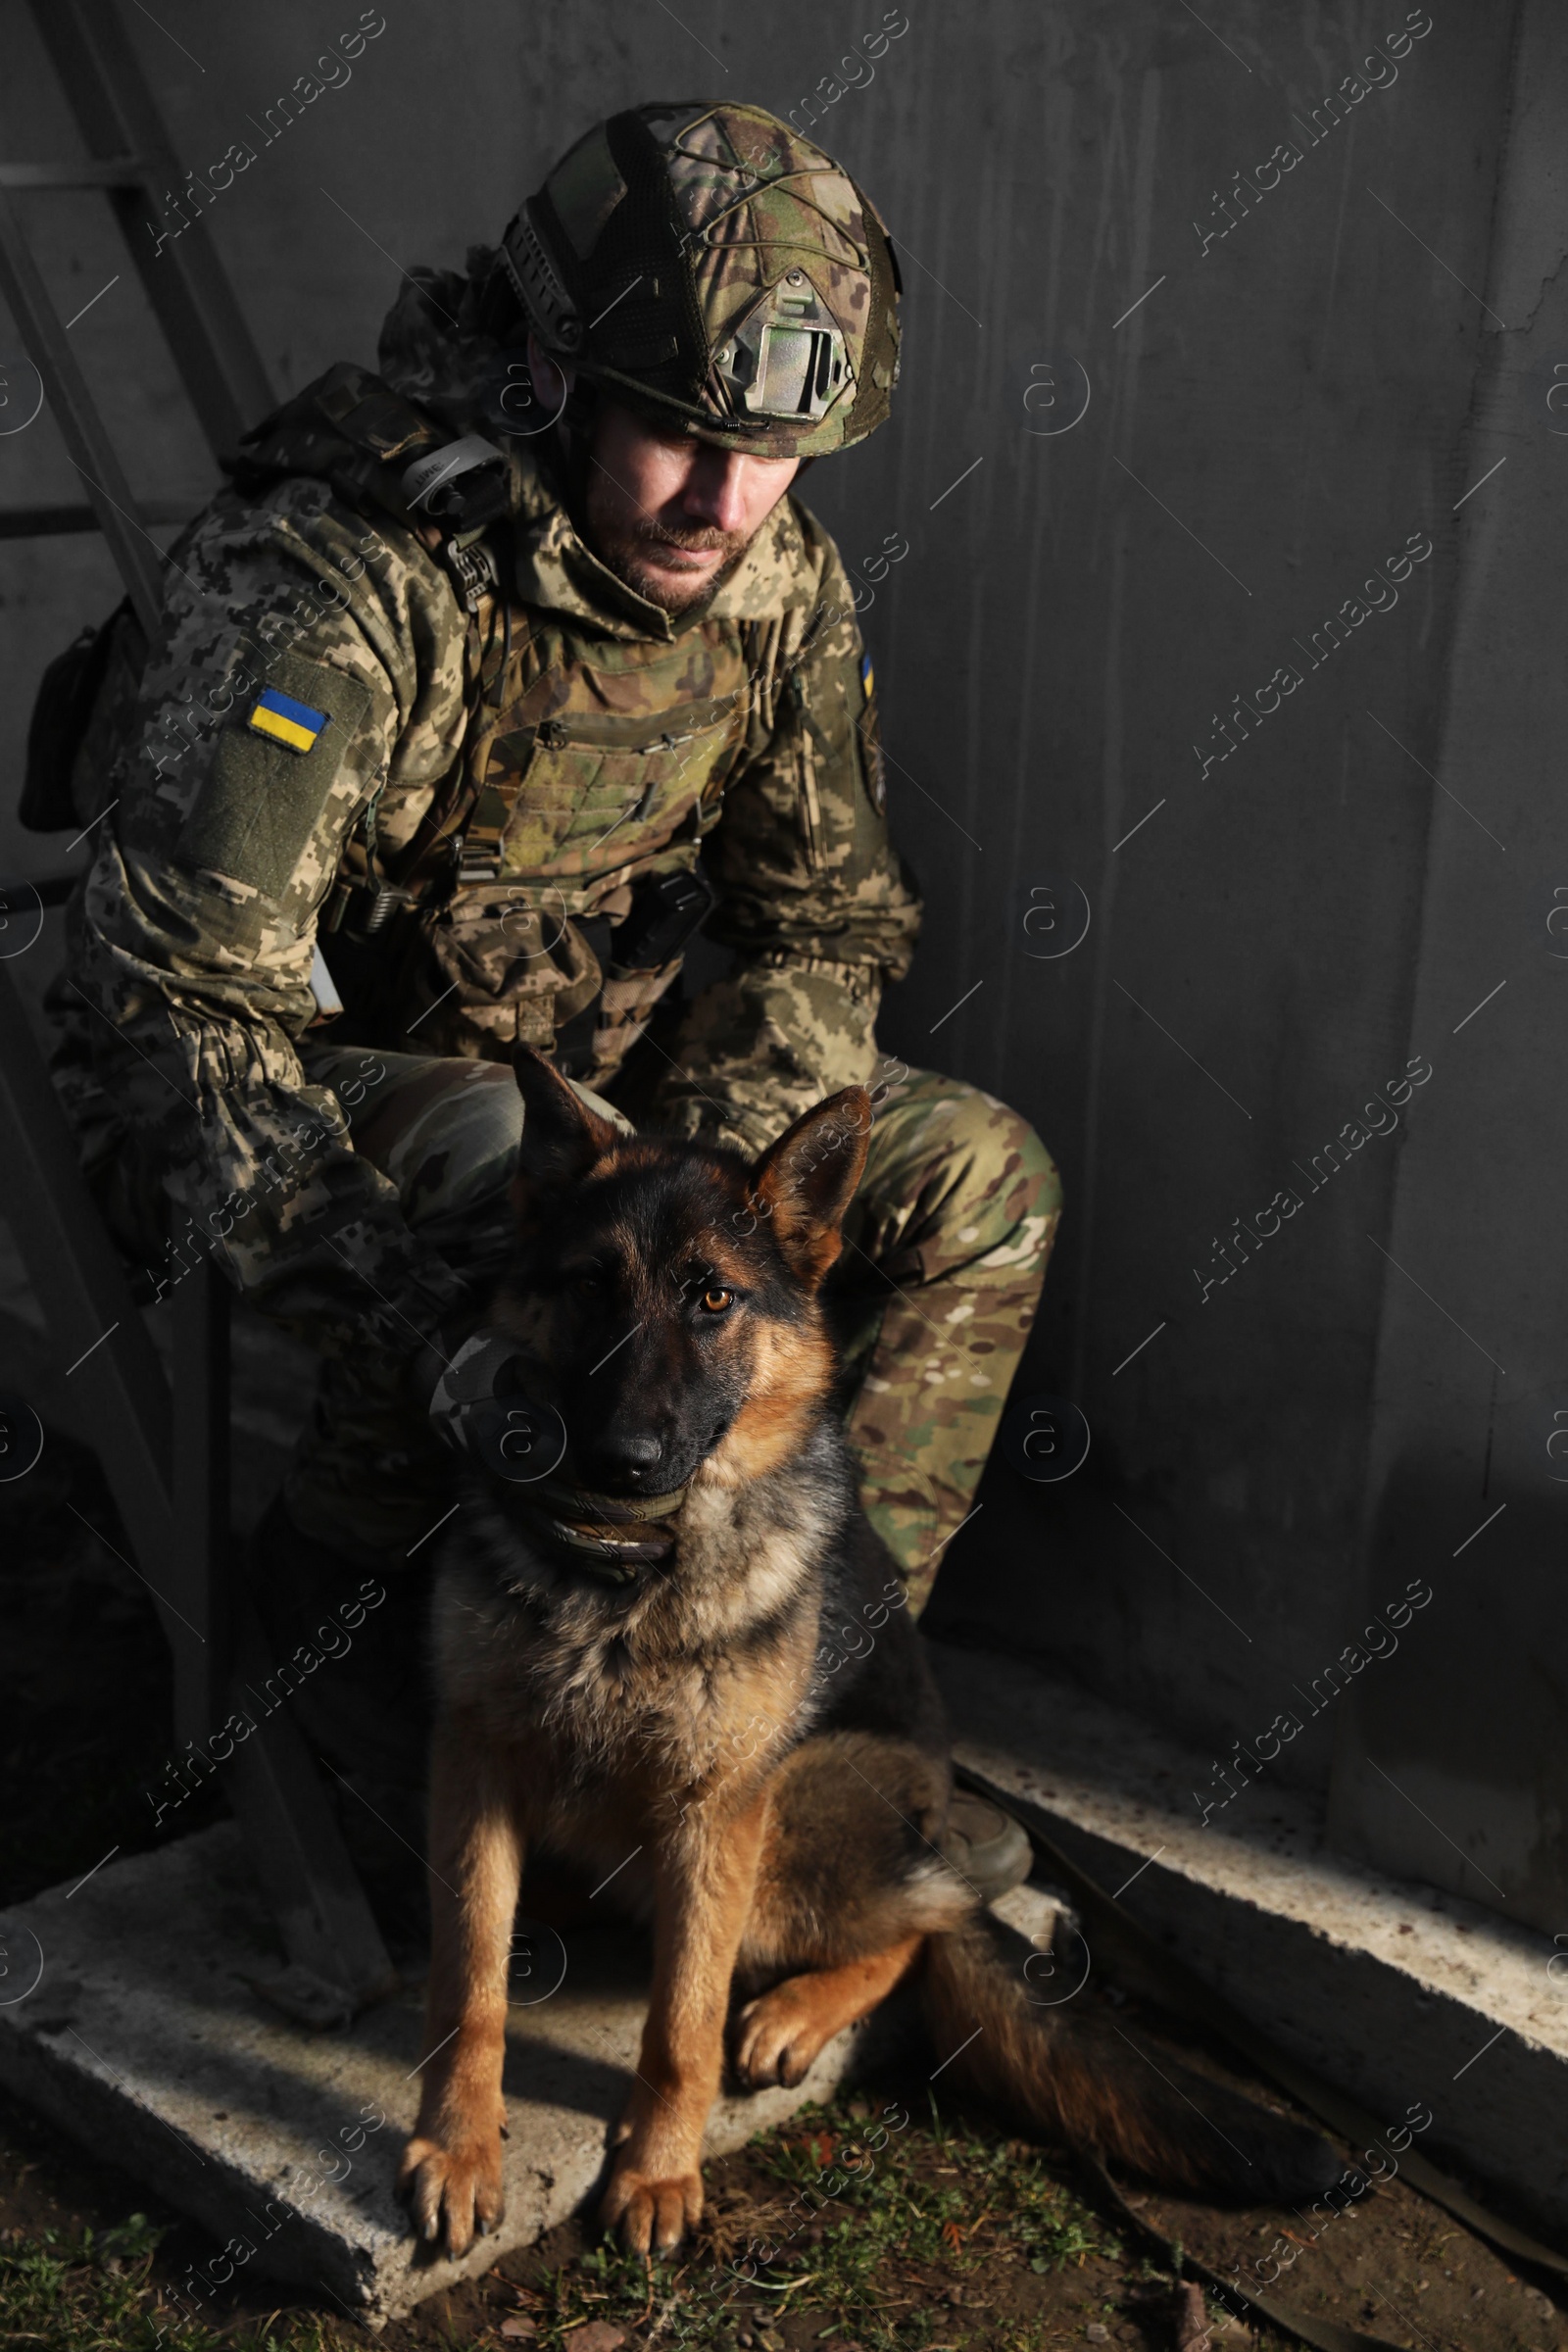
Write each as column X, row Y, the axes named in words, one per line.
column 1395, row 1992
column 130, row 2009
column 130, row 2015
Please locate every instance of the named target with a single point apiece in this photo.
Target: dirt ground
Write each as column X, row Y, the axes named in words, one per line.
column 891, row 2219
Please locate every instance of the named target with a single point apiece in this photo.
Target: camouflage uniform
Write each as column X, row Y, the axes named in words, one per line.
column 353, row 1174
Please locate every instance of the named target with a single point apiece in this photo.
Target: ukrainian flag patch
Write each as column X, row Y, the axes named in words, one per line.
column 283, row 720
column 867, row 677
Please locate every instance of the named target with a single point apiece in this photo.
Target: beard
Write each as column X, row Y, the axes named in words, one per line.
column 622, row 540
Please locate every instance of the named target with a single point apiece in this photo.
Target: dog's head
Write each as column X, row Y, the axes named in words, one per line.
column 667, row 1293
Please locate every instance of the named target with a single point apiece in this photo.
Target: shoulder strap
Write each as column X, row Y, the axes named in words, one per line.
column 348, row 428
column 369, row 414
column 379, row 451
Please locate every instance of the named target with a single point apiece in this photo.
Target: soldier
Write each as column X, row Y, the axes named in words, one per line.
column 486, row 680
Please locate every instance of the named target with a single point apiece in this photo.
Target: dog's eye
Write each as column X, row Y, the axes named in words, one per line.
column 716, row 1301
column 585, row 1281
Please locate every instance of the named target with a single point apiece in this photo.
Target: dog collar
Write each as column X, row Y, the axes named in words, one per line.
column 611, row 1537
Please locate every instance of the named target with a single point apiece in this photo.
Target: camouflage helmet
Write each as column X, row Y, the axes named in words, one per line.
column 712, row 267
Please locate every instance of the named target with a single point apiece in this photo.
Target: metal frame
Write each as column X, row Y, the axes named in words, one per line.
column 186, row 283
column 164, row 1443
column 165, row 1449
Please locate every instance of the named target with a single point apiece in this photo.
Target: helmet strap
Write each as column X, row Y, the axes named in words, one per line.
column 569, row 450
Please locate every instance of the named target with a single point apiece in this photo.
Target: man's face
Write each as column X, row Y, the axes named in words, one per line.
column 670, row 514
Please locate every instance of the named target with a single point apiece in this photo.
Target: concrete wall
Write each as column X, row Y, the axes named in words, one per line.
column 1451, row 1762
column 1287, row 409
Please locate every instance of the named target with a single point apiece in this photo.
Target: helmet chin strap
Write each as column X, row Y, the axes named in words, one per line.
column 572, row 450
column 570, row 444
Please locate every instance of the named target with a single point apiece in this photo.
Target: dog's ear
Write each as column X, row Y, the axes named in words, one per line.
column 806, row 1181
column 562, row 1138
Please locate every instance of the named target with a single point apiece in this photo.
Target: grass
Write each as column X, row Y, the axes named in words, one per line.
column 860, row 2222
column 841, row 2212
column 869, row 2224
column 94, row 2292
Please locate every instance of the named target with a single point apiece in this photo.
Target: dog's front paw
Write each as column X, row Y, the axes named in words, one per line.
column 648, row 2212
column 456, row 2190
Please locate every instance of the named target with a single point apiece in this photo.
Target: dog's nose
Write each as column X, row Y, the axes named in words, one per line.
column 632, row 1455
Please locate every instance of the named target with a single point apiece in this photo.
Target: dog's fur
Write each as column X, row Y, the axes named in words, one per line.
column 783, row 1826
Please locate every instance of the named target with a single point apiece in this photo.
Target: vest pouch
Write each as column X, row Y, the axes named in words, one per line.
column 75, row 732
column 667, row 910
column 595, row 792
column 494, row 974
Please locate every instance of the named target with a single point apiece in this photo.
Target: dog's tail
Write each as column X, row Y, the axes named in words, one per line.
column 1074, row 2076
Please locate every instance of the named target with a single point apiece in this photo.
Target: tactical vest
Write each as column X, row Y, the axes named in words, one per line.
column 551, row 889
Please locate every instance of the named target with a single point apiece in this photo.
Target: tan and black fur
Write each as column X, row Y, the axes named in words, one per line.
column 785, row 1824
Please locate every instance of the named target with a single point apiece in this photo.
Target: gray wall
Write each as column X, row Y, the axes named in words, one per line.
column 1281, row 412
column 1451, row 1761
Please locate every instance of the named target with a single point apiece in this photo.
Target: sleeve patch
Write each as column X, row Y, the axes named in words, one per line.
column 272, row 775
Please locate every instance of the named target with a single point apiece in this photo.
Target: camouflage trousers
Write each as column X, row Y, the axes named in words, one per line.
column 944, row 1254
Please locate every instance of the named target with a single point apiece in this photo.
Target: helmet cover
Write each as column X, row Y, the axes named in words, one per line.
column 715, row 269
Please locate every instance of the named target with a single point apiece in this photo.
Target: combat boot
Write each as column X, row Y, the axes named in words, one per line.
column 345, row 1638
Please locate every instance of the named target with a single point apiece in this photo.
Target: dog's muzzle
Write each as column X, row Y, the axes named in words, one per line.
column 481, row 1407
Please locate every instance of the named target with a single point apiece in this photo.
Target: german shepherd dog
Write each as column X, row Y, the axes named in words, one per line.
column 607, row 1643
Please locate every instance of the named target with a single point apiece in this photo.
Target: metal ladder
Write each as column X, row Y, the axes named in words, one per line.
column 164, row 1443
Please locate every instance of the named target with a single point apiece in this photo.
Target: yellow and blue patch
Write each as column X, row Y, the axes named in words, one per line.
column 867, row 677
column 283, row 720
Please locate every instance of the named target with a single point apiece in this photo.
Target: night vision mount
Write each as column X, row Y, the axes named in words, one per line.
column 787, row 357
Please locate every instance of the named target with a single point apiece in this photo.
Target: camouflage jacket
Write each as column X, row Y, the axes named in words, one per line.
column 602, row 740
